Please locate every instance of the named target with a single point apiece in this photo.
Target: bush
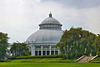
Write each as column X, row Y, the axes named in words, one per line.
column 96, row 60
column 30, row 57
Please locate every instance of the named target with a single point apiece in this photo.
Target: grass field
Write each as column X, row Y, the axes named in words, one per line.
column 47, row 62
column 9, row 64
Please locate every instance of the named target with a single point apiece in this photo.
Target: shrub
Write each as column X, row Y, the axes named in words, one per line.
column 30, row 57
column 96, row 60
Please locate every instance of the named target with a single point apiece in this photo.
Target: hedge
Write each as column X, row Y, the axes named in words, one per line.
column 30, row 57
column 42, row 60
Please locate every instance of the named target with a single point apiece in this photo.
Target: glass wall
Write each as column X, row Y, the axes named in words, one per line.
column 50, row 26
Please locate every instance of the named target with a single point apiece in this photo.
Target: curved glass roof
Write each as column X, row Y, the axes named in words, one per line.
column 49, row 32
column 50, row 23
column 50, row 20
column 45, row 36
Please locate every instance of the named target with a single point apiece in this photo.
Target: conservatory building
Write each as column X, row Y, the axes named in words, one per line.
column 43, row 41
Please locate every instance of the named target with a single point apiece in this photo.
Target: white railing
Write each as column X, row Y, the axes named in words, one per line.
column 94, row 57
column 80, row 58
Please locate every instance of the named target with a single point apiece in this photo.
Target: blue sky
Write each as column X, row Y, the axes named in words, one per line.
column 20, row 18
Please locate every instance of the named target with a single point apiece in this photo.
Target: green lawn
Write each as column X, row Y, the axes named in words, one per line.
column 46, row 62
column 9, row 64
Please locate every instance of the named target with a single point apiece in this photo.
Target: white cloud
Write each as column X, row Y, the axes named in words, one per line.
column 20, row 18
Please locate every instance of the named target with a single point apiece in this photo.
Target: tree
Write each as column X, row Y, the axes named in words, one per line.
column 3, row 44
column 19, row 49
column 97, row 45
column 77, row 42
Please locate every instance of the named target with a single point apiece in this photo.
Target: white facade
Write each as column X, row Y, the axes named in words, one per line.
column 43, row 41
column 43, row 49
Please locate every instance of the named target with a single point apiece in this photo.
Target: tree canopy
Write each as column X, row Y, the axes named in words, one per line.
column 77, row 42
column 19, row 49
column 3, row 44
column 97, row 45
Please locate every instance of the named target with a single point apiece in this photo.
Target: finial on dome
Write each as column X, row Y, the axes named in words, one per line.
column 50, row 15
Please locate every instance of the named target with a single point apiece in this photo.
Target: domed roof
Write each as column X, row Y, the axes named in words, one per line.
column 50, row 20
column 45, row 36
column 49, row 32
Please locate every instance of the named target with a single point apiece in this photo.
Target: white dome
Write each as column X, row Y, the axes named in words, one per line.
column 49, row 32
column 45, row 36
column 50, row 20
